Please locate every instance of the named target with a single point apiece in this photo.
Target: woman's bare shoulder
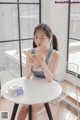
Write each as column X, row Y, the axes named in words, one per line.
column 55, row 54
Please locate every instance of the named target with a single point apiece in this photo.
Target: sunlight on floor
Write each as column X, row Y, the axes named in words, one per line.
column 64, row 113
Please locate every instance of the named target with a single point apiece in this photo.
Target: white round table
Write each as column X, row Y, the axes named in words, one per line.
column 36, row 90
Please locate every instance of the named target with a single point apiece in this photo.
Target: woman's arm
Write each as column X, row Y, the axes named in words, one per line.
column 28, row 68
column 29, row 64
column 51, row 70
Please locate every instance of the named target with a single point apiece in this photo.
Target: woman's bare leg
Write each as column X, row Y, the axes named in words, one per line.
column 35, row 110
column 23, row 110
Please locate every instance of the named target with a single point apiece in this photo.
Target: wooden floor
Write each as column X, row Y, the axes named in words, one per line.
column 65, row 111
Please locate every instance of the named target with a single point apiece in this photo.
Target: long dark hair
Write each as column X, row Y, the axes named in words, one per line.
column 46, row 29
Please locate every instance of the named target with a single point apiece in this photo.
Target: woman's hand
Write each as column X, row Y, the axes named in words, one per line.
column 31, row 60
column 37, row 59
column 40, row 57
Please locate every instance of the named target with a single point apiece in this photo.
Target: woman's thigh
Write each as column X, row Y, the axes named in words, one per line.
column 37, row 108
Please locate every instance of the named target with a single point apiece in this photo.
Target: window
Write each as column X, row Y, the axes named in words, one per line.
column 74, row 34
column 18, row 19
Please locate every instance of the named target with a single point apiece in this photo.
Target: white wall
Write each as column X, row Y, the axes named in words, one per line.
column 56, row 15
column 46, row 11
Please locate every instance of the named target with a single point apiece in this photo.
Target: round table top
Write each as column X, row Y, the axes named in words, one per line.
column 36, row 90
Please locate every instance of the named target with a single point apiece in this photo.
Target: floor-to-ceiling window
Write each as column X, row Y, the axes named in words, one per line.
column 17, row 21
column 74, row 34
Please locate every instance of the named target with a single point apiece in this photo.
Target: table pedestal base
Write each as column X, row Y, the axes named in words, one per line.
column 48, row 111
column 14, row 111
column 30, row 111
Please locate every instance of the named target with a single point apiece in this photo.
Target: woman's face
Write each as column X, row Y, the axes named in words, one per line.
column 41, row 39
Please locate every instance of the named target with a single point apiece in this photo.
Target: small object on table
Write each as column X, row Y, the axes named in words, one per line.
column 15, row 90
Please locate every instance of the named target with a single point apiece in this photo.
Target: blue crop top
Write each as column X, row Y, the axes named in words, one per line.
column 39, row 72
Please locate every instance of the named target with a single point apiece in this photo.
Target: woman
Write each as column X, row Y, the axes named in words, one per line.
column 43, row 63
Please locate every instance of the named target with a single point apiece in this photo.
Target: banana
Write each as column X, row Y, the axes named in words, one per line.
column 28, row 54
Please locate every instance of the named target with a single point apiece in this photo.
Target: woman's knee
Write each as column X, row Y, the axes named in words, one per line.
column 25, row 108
